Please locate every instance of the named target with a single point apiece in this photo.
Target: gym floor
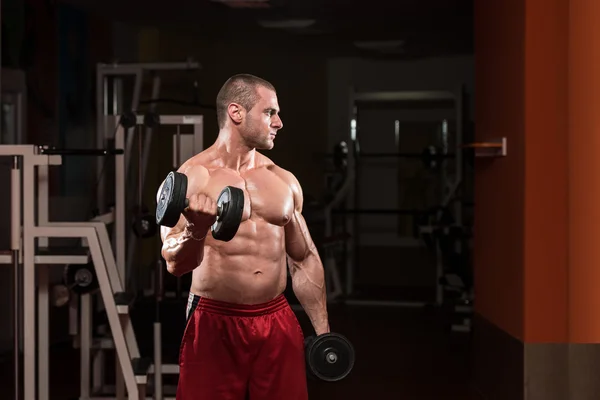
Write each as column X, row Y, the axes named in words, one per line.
column 406, row 354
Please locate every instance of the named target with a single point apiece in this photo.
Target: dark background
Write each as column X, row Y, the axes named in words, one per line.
column 406, row 45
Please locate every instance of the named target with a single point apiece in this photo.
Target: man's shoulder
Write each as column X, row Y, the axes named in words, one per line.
column 197, row 170
column 199, row 162
column 286, row 176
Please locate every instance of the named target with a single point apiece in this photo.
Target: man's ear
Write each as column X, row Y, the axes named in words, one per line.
column 236, row 112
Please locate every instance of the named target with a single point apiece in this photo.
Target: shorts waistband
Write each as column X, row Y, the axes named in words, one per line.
column 240, row 310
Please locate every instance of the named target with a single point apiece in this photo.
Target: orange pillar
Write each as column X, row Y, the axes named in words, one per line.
column 537, row 211
column 584, row 171
column 546, row 171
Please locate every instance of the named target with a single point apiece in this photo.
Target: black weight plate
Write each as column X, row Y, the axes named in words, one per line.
column 231, row 200
column 164, row 198
column 144, row 225
column 330, row 357
column 171, row 200
column 80, row 279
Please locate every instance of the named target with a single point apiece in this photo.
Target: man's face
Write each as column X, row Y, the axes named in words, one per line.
column 262, row 122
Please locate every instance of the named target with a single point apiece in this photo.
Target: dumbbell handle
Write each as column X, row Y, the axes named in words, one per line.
column 219, row 208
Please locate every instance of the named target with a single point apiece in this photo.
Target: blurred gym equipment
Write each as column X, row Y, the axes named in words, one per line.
column 440, row 229
column 96, row 270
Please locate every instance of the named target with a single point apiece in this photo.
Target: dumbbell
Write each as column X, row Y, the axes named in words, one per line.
column 171, row 202
column 329, row 357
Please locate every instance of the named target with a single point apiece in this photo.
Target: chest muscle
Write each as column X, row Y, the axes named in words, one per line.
column 266, row 196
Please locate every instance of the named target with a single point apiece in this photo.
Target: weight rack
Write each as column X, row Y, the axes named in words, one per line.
column 450, row 184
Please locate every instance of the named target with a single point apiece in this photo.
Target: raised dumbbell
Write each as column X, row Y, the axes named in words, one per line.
column 171, row 202
column 329, row 357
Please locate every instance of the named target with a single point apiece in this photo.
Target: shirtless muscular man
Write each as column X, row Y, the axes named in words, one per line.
column 242, row 340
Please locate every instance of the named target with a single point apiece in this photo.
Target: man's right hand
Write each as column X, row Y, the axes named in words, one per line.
column 201, row 211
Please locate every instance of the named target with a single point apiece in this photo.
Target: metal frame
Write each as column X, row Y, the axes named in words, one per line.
column 31, row 169
column 107, row 127
column 355, row 98
column 23, row 256
column 125, row 249
column 115, row 74
column 121, row 185
column 23, row 242
column 14, row 91
column 110, row 269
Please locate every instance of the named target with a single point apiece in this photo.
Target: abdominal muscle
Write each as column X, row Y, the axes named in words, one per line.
column 250, row 269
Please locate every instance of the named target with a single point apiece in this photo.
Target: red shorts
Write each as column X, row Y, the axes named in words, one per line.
column 238, row 352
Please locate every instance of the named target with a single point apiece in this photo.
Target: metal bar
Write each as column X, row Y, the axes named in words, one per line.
column 29, row 151
column 98, row 370
column 163, row 119
column 29, row 289
column 101, row 107
column 158, row 389
column 43, row 334
column 15, row 226
column 15, row 192
column 120, row 206
column 180, row 119
column 42, row 200
column 85, row 339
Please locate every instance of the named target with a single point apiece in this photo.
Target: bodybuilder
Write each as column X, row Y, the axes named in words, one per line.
column 242, row 340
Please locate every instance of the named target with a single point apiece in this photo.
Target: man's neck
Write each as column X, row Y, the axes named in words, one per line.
column 233, row 151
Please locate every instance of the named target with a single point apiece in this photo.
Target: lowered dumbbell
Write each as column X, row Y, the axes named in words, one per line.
column 329, row 357
column 171, row 202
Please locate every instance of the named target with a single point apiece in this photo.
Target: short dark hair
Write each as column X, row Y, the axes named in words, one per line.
column 241, row 89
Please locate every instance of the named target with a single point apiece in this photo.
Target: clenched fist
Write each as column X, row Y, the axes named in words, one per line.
column 201, row 210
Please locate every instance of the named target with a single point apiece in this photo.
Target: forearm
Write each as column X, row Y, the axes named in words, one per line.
column 308, row 283
column 183, row 249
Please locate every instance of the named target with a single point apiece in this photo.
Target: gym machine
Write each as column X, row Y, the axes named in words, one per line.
column 100, row 270
column 193, row 144
column 30, row 165
column 12, row 126
column 433, row 157
column 111, row 82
